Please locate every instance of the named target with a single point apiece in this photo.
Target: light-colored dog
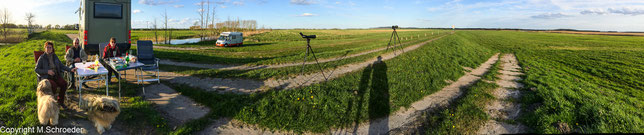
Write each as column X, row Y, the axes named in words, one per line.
column 47, row 105
column 102, row 110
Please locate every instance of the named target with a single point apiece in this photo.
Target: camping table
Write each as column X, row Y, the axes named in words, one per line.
column 83, row 72
column 131, row 65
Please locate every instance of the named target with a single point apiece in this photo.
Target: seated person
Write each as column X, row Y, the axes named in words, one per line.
column 75, row 54
column 111, row 50
column 49, row 67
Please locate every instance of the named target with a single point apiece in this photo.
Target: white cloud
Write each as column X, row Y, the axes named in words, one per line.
column 593, row 11
column 222, row 6
column 622, row 11
column 155, row 2
column 178, row 6
column 627, row 11
column 306, row 15
column 302, row 2
column 238, row 3
column 550, row 16
column 136, row 11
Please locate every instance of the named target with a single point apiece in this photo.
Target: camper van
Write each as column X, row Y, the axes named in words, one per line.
column 230, row 39
column 101, row 19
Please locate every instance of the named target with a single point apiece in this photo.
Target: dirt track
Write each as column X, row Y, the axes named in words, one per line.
column 505, row 107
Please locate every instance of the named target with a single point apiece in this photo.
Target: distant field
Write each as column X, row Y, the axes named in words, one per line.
column 285, row 46
column 15, row 36
column 599, row 33
column 145, row 34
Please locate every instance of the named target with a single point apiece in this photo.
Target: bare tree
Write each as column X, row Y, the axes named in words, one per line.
column 201, row 20
column 29, row 17
column 5, row 20
column 165, row 25
column 207, row 19
column 156, row 39
column 212, row 24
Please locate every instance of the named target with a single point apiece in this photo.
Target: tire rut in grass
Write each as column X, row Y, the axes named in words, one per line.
column 505, row 109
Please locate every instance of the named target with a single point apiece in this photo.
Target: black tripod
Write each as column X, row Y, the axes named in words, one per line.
column 394, row 37
column 309, row 49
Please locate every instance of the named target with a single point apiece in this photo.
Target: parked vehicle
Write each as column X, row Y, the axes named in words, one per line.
column 102, row 19
column 230, row 39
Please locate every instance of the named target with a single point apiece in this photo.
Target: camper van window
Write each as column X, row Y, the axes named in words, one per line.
column 108, row 10
column 234, row 37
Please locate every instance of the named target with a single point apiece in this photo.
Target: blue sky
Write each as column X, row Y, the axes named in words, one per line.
column 613, row 15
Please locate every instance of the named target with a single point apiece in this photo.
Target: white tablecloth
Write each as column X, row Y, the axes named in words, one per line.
column 84, row 71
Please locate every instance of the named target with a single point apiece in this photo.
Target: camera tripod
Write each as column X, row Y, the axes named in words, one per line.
column 394, row 37
column 309, row 49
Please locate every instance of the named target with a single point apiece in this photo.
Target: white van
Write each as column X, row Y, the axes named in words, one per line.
column 230, row 39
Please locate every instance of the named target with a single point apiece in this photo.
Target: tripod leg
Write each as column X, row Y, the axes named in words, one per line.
column 318, row 63
column 399, row 44
column 304, row 62
column 389, row 43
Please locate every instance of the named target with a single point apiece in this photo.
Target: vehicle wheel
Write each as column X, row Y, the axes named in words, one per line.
column 225, row 45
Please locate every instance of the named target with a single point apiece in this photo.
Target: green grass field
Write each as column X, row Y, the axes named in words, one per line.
column 285, row 46
column 592, row 83
column 370, row 93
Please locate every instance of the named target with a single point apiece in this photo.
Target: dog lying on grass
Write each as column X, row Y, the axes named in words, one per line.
column 102, row 110
column 47, row 105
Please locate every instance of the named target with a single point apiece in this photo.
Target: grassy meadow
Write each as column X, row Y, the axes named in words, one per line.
column 369, row 93
column 591, row 83
column 286, row 46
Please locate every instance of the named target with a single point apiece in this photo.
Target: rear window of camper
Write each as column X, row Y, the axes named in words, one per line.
column 108, row 10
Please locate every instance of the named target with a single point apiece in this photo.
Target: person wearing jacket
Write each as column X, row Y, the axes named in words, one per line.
column 75, row 54
column 111, row 50
column 49, row 67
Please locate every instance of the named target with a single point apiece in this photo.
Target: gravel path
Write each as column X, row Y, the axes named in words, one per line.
column 505, row 107
column 176, row 108
column 395, row 121
column 247, row 67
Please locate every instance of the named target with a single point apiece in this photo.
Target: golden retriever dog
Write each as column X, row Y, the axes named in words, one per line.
column 47, row 105
column 102, row 110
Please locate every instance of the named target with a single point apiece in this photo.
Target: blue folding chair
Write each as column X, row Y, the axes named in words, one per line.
column 145, row 55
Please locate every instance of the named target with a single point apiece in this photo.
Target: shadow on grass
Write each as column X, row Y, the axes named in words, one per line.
column 379, row 106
